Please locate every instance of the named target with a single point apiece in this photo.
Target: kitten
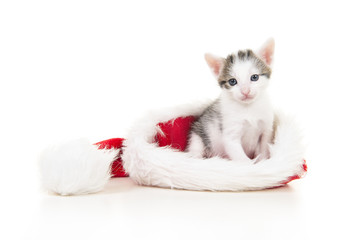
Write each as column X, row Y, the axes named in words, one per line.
column 239, row 124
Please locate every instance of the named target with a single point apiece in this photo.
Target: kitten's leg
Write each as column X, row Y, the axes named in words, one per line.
column 196, row 146
column 262, row 151
column 234, row 149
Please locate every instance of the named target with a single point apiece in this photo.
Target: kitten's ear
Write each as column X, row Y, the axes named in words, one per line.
column 266, row 52
column 215, row 63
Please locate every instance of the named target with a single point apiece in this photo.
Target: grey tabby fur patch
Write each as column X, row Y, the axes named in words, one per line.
column 211, row 114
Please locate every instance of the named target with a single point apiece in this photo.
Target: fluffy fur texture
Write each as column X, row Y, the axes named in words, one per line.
column 148, row 164
column 76, row 167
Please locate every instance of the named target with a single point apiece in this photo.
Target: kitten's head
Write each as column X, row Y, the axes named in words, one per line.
column 245, row 74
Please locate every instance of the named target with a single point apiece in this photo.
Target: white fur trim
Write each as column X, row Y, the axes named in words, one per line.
column 148, row 164
column 76, row 167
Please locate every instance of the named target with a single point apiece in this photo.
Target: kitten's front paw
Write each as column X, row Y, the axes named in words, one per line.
column 260, row 157
column 257, row 159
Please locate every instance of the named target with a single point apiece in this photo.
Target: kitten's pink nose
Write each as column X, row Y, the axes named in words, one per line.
column 245, row 91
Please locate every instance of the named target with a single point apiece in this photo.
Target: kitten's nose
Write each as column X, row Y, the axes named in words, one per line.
column 245, row 91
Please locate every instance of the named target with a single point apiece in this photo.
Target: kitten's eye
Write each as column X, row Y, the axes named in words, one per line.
column 232, row 82
column 254, row 77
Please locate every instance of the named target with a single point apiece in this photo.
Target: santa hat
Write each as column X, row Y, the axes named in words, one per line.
column 153, row 154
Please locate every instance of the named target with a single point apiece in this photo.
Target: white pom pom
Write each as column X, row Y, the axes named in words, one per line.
column 76, row 167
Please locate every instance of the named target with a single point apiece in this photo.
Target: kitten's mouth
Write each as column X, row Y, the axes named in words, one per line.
column 247, row 98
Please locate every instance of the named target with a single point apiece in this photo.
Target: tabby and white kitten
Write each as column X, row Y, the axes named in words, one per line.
column 239, row 124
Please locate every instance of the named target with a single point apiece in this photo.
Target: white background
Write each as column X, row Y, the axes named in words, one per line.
column 71, row 69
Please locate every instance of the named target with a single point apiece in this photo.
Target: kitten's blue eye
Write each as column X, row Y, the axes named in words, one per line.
column 254, row 77
column 232, row 82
